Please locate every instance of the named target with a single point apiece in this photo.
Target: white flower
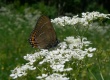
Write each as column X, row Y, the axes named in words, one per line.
column 76, row 48
column 57, row 67
column 90, row 55
column 61, row 21
column 84, row 20
column 68, row 69
column 30, row 58
column 21, row 71
column 56, row 76
column 17, row 72
column 90, row 49
column 43, row 76
column 63, row 45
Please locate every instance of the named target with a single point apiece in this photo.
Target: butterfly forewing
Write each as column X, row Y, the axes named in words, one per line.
column 43, row 35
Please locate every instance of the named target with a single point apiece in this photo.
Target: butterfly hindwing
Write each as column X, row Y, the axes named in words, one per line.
column 43, row 36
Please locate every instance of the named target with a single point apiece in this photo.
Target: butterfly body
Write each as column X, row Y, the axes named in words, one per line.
column 43, row 36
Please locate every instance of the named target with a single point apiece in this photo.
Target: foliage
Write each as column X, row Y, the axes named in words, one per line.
column 15, row 29
column 51, row 11
column 62, row 7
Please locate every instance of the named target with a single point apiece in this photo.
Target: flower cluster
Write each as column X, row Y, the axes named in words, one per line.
column 84, row 20
column 29, row 17
column 21, row 71
column 72, row 47
column 54, row 76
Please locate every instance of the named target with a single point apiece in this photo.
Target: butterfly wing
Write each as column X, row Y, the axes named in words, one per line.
column 43, row 36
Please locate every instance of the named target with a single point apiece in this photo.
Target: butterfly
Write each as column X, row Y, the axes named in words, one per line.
column 43, row 36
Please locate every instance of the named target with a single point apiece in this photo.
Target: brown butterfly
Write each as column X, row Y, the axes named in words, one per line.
column 43, row 36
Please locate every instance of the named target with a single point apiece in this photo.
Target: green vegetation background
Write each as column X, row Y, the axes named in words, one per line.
column 15, row 29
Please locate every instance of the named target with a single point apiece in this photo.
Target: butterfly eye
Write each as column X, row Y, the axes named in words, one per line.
column 43, row 35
